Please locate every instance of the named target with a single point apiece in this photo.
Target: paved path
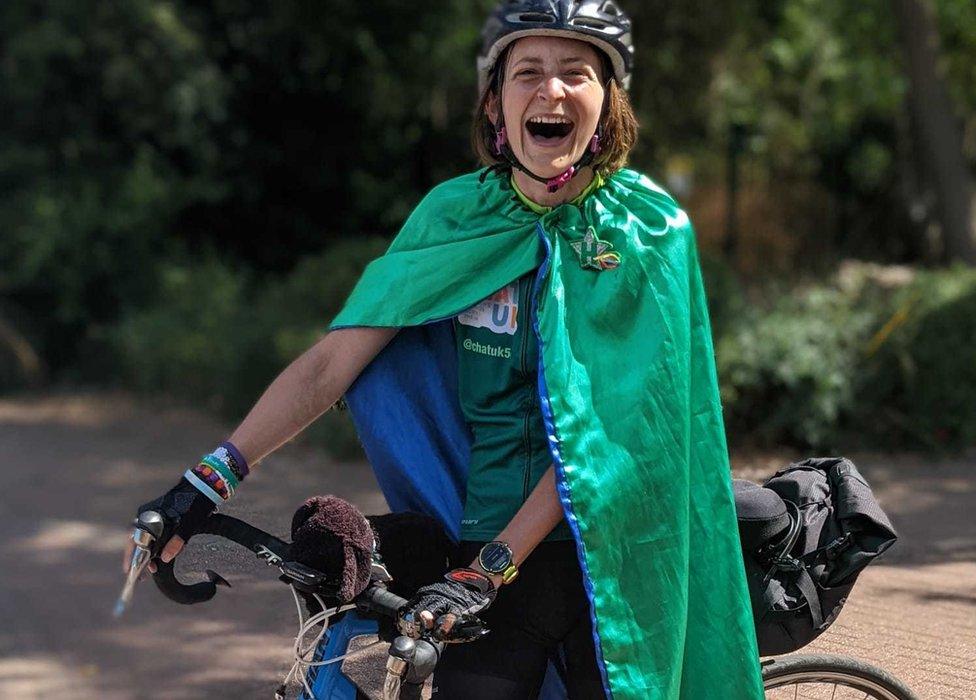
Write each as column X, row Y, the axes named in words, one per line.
column 73, row 468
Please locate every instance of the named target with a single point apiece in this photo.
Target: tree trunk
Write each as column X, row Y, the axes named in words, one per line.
column 27, row 368
column 937, row 133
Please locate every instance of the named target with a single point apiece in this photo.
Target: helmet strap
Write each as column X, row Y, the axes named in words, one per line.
column 553, row 184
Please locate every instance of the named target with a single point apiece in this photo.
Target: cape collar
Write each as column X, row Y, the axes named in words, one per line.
column 594, row 185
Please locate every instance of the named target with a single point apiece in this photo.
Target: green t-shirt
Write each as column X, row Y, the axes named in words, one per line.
column 498, row 358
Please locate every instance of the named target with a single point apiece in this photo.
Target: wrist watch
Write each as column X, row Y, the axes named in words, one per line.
column 496, row 558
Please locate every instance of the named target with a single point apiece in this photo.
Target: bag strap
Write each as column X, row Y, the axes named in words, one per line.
column 803, row 581
column 809, row 591
column 782, row 560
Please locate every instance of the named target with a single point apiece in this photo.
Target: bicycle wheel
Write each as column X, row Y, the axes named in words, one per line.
column 829, row 677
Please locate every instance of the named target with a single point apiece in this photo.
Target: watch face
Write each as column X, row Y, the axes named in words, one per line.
column 495, row 557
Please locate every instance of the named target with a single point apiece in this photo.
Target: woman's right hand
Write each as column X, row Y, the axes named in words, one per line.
column 184, row 509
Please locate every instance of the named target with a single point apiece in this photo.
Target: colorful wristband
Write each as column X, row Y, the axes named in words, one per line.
column 214, row 479
column 234, row 459
column 203, row 487
column 219, row 473
column 223, row 469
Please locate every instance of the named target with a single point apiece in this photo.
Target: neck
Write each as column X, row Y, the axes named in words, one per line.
column 537, row 192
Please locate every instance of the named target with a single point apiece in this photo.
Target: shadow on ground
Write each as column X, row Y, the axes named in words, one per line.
column 74, row 469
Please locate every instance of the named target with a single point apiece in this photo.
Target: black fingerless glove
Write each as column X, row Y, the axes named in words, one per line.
column 184, row 509
column 463, row 592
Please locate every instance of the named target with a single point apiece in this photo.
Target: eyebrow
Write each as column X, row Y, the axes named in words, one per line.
column 535, row 60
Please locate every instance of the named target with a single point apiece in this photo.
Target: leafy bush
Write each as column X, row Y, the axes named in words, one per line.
column 785, row 372
column 290, row 314
column 184, row 343
column 215, row 337
column 876, row 356
column 920, row 378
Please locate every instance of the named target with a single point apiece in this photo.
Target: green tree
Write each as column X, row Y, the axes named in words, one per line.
column 108, row 107
column 946, row 178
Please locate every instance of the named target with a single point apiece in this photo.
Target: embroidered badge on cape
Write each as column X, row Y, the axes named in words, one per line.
column 595, row 254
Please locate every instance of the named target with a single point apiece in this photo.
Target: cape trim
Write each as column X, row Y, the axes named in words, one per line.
column 562, row 487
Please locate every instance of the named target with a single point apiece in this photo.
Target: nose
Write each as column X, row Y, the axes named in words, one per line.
column 552, row 89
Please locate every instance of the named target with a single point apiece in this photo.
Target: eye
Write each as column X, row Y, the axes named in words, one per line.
column 579, row 74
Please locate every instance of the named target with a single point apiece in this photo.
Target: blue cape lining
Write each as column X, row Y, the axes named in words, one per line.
column 408, row 416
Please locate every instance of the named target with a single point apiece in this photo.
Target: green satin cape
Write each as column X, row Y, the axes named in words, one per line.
column 630, row 396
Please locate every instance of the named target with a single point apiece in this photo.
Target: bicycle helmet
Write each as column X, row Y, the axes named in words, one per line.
column 600, row 22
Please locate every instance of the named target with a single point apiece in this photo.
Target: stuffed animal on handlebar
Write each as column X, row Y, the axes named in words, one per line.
column 329, row 534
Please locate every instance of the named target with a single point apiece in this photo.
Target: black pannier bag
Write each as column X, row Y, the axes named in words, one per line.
column 806, row 533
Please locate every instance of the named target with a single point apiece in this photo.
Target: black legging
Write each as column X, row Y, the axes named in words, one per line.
column 545, row 607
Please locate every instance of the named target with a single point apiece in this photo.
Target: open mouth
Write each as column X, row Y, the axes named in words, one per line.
column 549, row 131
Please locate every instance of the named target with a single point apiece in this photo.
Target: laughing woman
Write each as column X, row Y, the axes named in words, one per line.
column 531, row 362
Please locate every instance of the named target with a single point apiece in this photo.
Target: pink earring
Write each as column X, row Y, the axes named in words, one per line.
column 595, row 146
column 501, row 138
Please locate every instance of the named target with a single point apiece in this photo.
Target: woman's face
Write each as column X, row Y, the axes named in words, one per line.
column 552, row 99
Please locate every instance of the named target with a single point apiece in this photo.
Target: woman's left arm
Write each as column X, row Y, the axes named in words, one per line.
column 441, row 602
column 537, row 517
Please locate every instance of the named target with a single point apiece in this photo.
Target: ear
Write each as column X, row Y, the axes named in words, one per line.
column 356, row 570
column 350, row 575
column 491, row 108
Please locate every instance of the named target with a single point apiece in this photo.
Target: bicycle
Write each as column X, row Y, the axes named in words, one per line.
column 411, row 662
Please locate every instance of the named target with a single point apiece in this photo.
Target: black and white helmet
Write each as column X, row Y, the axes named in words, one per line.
column 600, row 22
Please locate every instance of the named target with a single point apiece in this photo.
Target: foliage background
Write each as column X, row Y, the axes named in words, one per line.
column 188, row 190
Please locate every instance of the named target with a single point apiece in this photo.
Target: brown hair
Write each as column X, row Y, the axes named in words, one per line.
column 619, row 123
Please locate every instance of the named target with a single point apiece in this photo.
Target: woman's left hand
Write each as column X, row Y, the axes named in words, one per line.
column 463, row 592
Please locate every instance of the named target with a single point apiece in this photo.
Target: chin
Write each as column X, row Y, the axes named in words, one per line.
column 551, row 167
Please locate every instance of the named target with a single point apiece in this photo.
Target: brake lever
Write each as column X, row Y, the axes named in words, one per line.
column 467, row 628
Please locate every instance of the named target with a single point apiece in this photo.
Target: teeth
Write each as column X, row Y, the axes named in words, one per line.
column 550, row 120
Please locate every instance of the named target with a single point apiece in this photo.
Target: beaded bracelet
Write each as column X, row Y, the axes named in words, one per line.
column 222, row 469
column 219, row 473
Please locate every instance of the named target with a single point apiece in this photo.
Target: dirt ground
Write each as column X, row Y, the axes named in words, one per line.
column 73, row 468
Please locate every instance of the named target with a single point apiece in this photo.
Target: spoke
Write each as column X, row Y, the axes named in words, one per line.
column 815, row 686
